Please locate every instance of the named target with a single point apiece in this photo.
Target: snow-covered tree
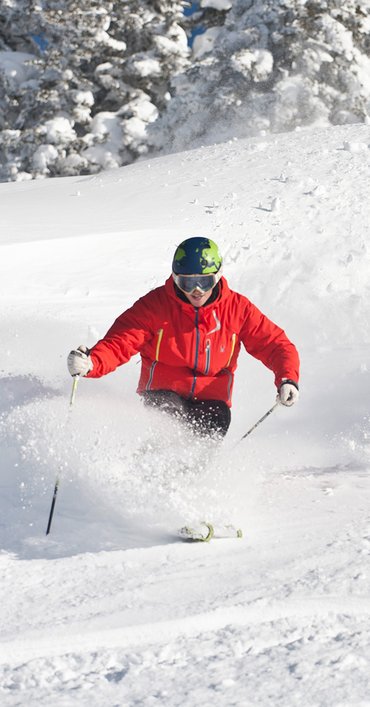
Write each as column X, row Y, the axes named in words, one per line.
column 335, row 59
column 86, row 85
column 135, row 87
column 97, row 75
column 273, row 65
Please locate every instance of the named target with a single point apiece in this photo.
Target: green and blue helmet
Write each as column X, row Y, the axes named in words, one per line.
column 197, row 256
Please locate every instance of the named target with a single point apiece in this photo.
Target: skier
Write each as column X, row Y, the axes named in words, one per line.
column 189, row 332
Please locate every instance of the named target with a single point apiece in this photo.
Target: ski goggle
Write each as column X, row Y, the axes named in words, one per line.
column 189, row 283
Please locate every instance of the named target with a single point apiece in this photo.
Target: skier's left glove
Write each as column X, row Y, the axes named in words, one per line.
column 288, row 392
column 79, row 362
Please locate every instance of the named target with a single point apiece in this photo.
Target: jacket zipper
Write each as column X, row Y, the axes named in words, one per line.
column 152, row 367
column 197, row 336
column 208, row 356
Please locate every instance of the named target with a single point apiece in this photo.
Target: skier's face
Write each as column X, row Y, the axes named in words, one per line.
column 198, row 298
column 197, row 287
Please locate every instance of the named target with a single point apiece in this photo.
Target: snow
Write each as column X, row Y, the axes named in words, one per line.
column 84, row 98
column 17, row 65
column 43, row 156
column 177, row 44
column 217, row 4
column 59, row 129
column 260, row 60
column 107, row 40
column 338, row 37
column 204, row 43
column 145, row 67
column 111, row 608
column 106, row 130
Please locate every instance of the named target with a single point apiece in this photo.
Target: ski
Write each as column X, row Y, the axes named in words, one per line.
column 204, row 532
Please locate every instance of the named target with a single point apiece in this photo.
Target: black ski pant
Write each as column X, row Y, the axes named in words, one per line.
column 208, row 418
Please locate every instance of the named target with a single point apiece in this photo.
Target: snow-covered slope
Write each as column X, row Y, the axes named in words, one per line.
column 110, row 608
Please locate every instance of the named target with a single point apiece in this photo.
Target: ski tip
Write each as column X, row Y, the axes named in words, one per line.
column 204, row 532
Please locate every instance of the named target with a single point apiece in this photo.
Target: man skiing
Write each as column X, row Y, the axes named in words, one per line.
column 189, row 332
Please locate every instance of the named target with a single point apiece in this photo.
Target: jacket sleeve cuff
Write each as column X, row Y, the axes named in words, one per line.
column 288, row 380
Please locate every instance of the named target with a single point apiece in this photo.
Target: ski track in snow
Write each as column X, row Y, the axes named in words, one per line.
column 112, row 609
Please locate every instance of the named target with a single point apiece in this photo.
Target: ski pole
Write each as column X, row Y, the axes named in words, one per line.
column 56, row 486
column 259, row 421
column 73, row 392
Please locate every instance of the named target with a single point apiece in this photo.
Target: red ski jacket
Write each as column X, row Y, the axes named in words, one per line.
column 193, row 351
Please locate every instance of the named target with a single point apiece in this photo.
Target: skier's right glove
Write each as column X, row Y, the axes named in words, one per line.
column 79, row 362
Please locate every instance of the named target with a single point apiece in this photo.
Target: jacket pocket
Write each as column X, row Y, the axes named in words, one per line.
column 153, row 365
column 208, row 356
column 233, row 342
column 158, row 346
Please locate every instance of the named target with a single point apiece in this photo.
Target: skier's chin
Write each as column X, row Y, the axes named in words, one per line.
column 198, row 300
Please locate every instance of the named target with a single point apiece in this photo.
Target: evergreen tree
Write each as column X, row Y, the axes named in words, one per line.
column 273, row 65
column 97, row 75
column 86, row 85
